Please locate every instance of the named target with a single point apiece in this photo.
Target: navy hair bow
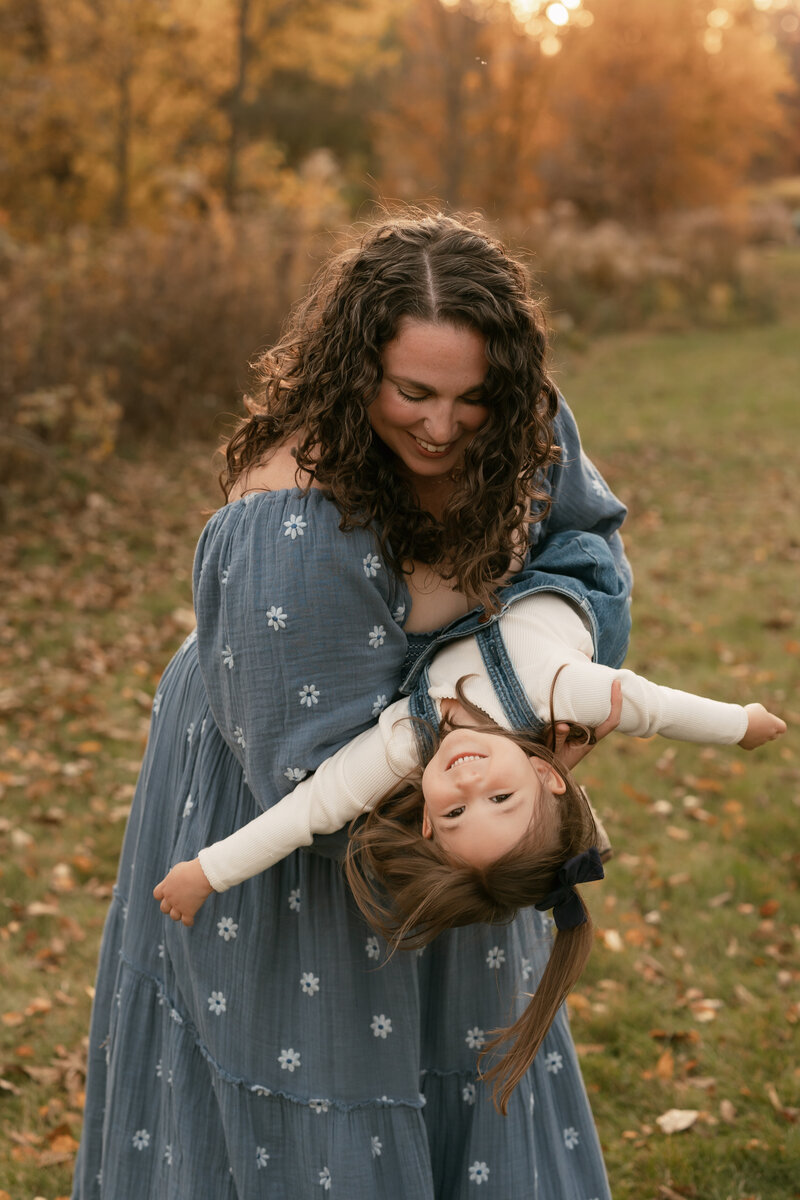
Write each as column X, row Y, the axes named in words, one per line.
column 567, row 909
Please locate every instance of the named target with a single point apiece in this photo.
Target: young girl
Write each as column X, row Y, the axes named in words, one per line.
column 493, row 822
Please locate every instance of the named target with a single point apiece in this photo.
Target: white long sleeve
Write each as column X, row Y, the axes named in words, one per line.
column 542, row 633
column 342, row 787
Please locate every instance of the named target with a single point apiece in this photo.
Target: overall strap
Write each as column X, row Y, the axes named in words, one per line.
column 422, row 708
column 504, row 678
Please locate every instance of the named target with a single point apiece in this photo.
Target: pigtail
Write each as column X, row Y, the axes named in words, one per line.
column 521, row 1041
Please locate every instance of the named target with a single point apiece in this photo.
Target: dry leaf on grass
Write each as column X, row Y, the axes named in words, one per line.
column 675, row 1120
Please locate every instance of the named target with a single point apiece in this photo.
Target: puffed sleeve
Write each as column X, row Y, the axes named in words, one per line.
column 299, row 633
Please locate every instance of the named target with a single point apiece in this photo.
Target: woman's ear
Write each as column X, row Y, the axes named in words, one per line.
column 549, row 777
column 427, row 828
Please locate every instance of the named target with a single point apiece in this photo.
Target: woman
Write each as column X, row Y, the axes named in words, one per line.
column 269, row 1050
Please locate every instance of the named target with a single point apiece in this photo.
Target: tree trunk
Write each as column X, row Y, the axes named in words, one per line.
column 235, row 107
column 120, row 204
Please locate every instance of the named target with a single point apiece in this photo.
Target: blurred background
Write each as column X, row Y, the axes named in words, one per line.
column 171, row 172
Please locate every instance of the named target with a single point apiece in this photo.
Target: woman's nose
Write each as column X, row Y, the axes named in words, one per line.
column 439, row 423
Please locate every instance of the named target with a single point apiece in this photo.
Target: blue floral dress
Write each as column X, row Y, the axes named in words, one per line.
column 273, row 1050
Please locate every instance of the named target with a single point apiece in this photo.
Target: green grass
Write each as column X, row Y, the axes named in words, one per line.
column 700, row 434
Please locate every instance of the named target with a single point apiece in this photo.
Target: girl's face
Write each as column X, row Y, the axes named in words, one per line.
column 482, row 794
column 429, row 405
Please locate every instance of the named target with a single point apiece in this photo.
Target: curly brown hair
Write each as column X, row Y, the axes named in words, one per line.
column 410, row 890
column 317, row 384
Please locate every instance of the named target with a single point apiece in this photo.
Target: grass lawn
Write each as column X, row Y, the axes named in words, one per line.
column 691, row 1001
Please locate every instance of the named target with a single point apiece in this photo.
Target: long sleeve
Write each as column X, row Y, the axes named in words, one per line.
column 342, row 787
column 543, row 634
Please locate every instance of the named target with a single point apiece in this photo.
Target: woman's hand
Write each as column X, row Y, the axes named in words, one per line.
column 762, row 726
column 569, row 754
column 183, row 891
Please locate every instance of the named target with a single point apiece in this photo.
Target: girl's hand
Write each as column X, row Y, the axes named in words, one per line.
column 569, row 754
column 183, row 891
column 762, row 726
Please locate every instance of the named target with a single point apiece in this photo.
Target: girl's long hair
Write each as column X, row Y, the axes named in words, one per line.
column 317, row 383
column 408, row 889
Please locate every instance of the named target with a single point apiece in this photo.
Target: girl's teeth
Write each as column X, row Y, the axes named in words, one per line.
column 430, row 447
column 465, row 758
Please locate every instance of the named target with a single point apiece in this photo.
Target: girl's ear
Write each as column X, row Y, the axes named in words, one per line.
column 549, row 777
column 427, row 828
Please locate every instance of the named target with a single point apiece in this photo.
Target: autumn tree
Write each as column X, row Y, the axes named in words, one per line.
column 652, row 115
column 628, row 109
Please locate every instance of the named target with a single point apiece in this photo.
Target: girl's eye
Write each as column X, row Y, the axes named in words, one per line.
column 410, row 399
column 499, row 799
column 455, row 812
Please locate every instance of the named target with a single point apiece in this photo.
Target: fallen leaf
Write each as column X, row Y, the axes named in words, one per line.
column 676, row 1120
column 665, row 1067
column 677, row 834
column 612, row 940
column 727, row 1111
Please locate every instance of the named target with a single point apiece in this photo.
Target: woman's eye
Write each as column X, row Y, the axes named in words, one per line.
column 499, row 799
column 411, row 399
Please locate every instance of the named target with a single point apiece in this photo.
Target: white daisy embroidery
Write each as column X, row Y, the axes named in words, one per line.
column 554, row 1062
column 475, row 1038
column 239, row 738
column 227, row 928
column 276, row 617
column 325, row 1179
column 141, row 1139
column 294, row 900
column 262, row 1158
column 295, row 527
column 399, row 613
column 157, row 703
column 188, row 806
column 309, row 695
column 224, row 576
column 309, row 983
column 168, row 1154
column 495, row 958
column 379, row 704
column 289, row 1060
column 371, row 564
column 595, row 480
column 376, row 1146
column 295, row 774
column 377, row 636
column 372, row 948
column 469, row 1093
column 190, row 732
column 159, row 1069
column 227, row 657
column 381, row 1026
column 571, row 1138
column 217, row 1004
column 526, row 968
column 478, row 1172
column 319, row 1106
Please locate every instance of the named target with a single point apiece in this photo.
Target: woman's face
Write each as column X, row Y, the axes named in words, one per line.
column 482, row 795
column 429, row 405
